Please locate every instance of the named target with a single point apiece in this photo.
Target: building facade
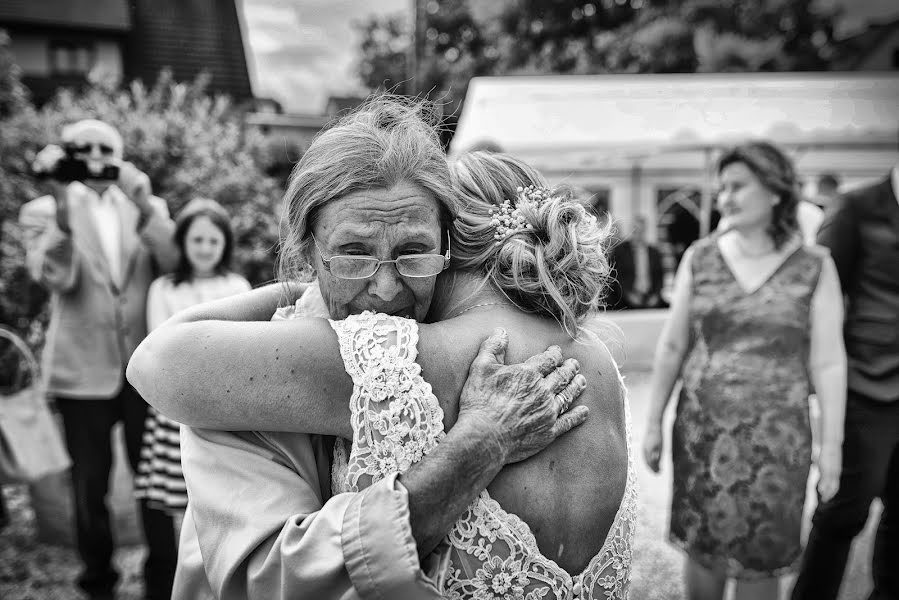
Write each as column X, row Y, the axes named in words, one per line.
column 66, row 43
column 647, row 144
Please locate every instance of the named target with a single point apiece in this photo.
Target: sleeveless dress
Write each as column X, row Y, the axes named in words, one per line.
column 491, row 553
column 741, row 443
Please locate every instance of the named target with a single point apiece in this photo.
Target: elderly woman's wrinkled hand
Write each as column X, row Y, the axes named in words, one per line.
column 524, row 406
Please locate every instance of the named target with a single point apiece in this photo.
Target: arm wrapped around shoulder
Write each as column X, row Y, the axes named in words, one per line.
column 540, row 247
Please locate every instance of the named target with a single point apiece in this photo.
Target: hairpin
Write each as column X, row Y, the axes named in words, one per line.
column 509, row 220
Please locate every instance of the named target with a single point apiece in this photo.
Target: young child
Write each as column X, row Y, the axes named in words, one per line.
column 203, row 234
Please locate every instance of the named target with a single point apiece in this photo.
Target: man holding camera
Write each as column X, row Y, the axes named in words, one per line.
column 96, row 244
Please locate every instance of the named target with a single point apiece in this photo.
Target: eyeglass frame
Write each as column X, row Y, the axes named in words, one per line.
column 327, row 261
column 73, row 148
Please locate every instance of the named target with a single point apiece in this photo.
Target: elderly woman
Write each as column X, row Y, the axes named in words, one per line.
column 524, row 258
column 755, row 317
column 368, row 204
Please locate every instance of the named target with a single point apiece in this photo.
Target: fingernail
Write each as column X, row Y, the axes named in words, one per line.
column 580, row 380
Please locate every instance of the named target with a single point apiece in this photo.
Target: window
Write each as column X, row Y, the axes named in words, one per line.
column 71, row 58
column 680, row 212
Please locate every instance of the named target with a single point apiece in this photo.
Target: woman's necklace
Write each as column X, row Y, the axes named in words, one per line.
column 474, row 306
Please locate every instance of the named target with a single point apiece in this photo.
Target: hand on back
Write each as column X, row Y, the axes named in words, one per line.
column 523, row 405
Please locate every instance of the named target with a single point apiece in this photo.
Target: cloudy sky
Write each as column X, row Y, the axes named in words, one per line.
column 302, row 51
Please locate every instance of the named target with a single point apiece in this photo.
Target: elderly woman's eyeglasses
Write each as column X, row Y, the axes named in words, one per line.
column 363, row 267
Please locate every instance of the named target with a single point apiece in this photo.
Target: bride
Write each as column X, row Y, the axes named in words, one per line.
column 530, row 260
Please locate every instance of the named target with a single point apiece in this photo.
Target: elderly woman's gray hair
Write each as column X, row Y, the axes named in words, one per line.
column 388, row 140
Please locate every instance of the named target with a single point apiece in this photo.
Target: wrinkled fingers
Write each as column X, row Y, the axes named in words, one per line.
column 570, row 393
column 570, row 420
column 560, row 377
column 546, row 361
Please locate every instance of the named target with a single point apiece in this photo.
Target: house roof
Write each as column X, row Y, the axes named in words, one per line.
column 189, row 36
column 612, row 119
column 112, row 15
column 852, row 51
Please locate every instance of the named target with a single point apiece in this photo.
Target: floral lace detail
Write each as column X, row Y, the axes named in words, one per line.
column 493, row 553
column 393, row 409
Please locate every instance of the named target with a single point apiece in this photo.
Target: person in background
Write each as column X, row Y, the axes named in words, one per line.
column 640, row 274
column 828, row 190
column 96, row 243
column 752, row 323
column 809, row 217
column 204, row 236
column 861, row 230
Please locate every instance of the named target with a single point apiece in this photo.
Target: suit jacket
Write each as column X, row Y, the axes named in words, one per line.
column 97, row 318
column 861, row 229
column 626, row 271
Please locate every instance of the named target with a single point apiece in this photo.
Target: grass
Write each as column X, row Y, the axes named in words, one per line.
column 30, row 570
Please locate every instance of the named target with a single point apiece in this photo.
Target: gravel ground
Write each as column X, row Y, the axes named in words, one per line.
column 30, row 570
column 33, row 571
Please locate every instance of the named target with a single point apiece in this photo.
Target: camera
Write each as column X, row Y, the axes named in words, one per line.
column 71, row 169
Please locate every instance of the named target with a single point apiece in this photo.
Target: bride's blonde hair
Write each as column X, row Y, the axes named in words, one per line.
column 553, row 263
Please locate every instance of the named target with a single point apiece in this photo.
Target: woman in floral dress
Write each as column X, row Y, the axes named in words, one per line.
column 755, row 319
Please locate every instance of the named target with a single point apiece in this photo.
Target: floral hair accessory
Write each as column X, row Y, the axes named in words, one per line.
column 509, row 220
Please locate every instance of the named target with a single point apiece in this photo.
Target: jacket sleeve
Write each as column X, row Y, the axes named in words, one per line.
column 158, row 234
column 50, row 254
column 264, row 533
column 839, row 233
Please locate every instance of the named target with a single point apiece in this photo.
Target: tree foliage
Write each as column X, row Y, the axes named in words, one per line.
column 460, row 41
column 453, row 48
column 189, row 143
column 13, row 95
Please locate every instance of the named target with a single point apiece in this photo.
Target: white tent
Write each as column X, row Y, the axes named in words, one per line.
column 636, row 138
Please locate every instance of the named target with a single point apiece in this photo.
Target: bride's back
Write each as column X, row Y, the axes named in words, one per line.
column 569, row 493
column 516, row 242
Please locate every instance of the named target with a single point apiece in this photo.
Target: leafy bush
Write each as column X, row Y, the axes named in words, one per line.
column 189, row 143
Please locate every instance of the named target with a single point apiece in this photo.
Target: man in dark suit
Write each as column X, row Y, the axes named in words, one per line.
column 639, row 272
column 861, row 230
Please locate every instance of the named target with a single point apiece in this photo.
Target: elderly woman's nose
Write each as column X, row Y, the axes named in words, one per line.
column 386, row 283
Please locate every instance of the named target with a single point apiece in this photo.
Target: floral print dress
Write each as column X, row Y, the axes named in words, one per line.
column 742, row 442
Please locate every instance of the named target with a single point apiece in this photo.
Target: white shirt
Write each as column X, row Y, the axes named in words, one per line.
column 164, row 298
column 810, row 218
column 641, row 268
column 105, row 212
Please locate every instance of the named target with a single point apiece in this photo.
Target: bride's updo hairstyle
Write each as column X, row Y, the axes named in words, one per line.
column 538, row 247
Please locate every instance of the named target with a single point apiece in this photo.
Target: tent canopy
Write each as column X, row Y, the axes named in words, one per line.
column 630, row 116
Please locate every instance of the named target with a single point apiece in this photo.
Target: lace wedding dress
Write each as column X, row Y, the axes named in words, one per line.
column 397, row 420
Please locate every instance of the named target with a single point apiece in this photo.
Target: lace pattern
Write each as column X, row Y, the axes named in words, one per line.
column 493, row 553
